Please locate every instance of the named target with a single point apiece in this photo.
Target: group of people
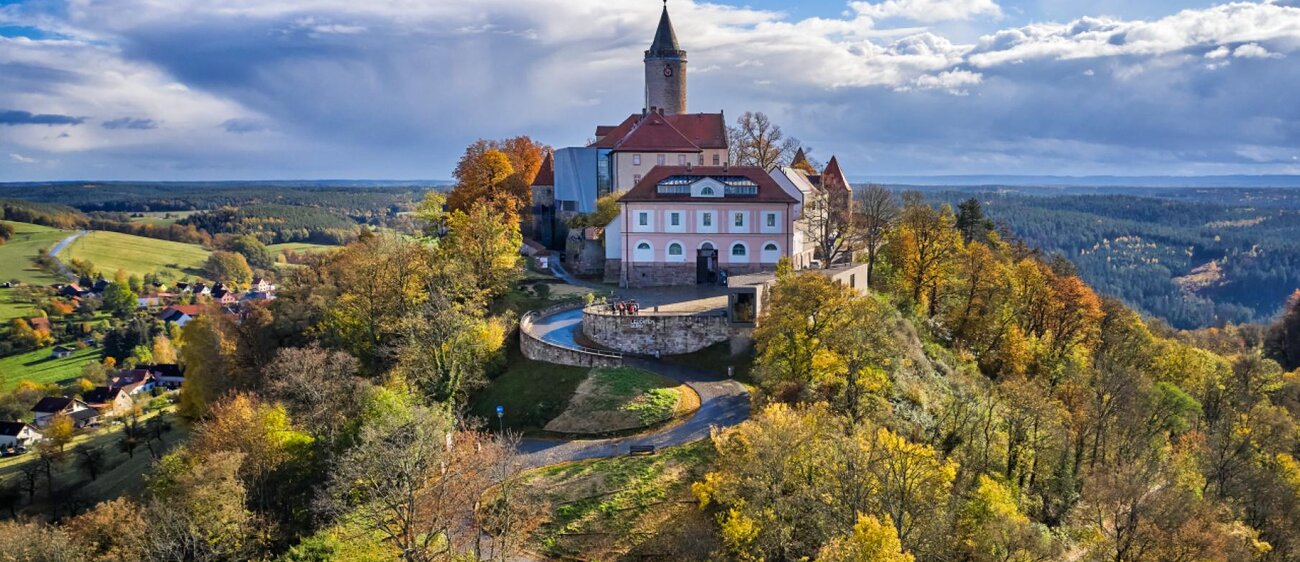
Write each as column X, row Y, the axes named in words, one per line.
column 625, row 308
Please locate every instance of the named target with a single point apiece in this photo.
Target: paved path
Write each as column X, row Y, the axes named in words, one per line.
column 54, row 252
column 723, row 403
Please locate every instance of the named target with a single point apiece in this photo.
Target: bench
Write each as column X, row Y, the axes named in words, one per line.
column 641, row 450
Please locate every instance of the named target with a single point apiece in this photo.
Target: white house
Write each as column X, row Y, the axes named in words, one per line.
column 17, row 434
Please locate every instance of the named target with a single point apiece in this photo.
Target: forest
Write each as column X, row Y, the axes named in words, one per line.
column 1191, row 257
column 981, row 403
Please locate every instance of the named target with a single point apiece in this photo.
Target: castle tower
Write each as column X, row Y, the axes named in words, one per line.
column 665, row 70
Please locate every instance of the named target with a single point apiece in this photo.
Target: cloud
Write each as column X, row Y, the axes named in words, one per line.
column 927, row 10
column 15, row 117
column 397, row 88
column 1254, row 51
column 22, row 159
column 132, row 123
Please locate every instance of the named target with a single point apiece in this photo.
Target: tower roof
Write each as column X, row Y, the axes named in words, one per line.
column 833, row 178
column 665, row 43
column 546, row 174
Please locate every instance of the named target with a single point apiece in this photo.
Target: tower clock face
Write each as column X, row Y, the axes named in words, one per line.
column 668, row 70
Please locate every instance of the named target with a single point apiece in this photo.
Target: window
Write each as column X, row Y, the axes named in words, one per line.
column 674, row 249
column 681, row 159
column 636, row 179
column 636, row 159
column 661, row 159
column 716, row 160
column 771, row 219
column 707, row 218
column 701, row 158
column 643, row 218
column 675, row 219
column 706, row 246
column 769, row 247
column 568, row 205
column 706, row 191
column 643, row 246
column 738, row 250
column 740, row 219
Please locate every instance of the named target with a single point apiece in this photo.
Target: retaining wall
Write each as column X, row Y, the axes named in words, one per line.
column 648, row 332
column 537, row 349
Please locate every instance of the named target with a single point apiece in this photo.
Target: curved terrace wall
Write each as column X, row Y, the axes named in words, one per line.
column 534, row 347
column 650, row 332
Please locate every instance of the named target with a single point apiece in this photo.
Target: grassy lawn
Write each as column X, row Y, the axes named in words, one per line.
column 37, row 366
column 122, row 473
column 111, row 251
column 622, row 399
column 626, row 508
column 532, row 392
column 18, row 255
column 11, row 307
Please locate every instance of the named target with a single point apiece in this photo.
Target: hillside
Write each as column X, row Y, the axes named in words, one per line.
column 18, row 255
column 111, row 251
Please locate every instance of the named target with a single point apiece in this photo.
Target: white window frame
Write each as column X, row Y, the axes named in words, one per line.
column 636, row 159
column 668, row 255
column 643, row 255
column 661, row 159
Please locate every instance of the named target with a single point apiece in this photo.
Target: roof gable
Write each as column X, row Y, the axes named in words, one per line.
column 655, row 134
column 740, row 184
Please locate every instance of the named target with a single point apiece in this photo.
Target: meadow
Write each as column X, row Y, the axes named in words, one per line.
column 38, row 366
column 18, row 255
column 111, row 251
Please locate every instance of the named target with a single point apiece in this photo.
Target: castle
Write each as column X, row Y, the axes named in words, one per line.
column 687, row 215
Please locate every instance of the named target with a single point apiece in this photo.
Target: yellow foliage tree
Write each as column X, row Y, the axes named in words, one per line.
column 871, row 541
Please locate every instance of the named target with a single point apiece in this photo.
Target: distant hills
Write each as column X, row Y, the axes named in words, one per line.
column 1086, row 181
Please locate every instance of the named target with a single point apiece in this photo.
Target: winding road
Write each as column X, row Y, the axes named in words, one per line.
column 54, row 252
column 723, row 402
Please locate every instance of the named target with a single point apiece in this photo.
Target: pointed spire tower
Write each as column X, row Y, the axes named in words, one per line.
column 665, row 70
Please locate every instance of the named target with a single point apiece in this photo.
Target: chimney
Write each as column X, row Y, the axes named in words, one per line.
column 661, row 111
column 688, row 165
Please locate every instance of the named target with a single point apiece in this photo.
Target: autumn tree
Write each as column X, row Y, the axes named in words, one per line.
column 228, row 267
column 484, row 245
column 876, row 212
column 208, row 357
column 318, row 387
column 921, row 250
column 1283, row 340
column 756, row 141
column 196, row 510
column 497, row 173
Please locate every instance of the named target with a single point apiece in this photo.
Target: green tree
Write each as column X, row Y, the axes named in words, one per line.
column 120, row 299
column 229, row 268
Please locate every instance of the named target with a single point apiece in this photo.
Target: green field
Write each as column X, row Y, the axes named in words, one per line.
column 300, row 247
column 37, row 366
column 18, row 255
column 623, row 399
column 11, row 307
column 111, row 251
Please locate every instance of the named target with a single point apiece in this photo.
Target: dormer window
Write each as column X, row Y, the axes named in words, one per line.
column 707, row 191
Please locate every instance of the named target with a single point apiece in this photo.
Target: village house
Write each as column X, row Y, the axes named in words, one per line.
column 61, row 351
column 166, row 375
column 180, row 314
column 39, row 323
column 261, row 285
column 133, row 381
column 109, row 401
column 81, row 413
column 14, row 434
column 154, row 299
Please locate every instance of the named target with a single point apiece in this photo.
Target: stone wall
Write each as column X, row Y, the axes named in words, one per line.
column 537, row 349
column 660, row 274
column 646, row 333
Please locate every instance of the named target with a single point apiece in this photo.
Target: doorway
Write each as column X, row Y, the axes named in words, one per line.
column 706, row 265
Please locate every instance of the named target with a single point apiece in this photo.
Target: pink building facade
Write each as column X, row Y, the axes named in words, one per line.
column 683, row 225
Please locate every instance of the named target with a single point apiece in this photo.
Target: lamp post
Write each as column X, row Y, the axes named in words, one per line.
column 501, row 421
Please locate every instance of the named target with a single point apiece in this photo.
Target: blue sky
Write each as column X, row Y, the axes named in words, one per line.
column 275, row 89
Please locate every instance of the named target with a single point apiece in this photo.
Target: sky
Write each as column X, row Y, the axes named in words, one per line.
column 395, row 89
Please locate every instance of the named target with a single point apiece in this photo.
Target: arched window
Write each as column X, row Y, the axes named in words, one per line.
column 738, row 250
column 770, row 247
column 706, row 246
column 643, row 246
column 706, row 190
column 674, row 249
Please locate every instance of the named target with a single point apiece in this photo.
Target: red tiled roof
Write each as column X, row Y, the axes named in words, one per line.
column 833, row 178
column 188, row 309
column 696, row 131
column 546, row 174
column 768, row 190
column 39, row 323
column 655, row 134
